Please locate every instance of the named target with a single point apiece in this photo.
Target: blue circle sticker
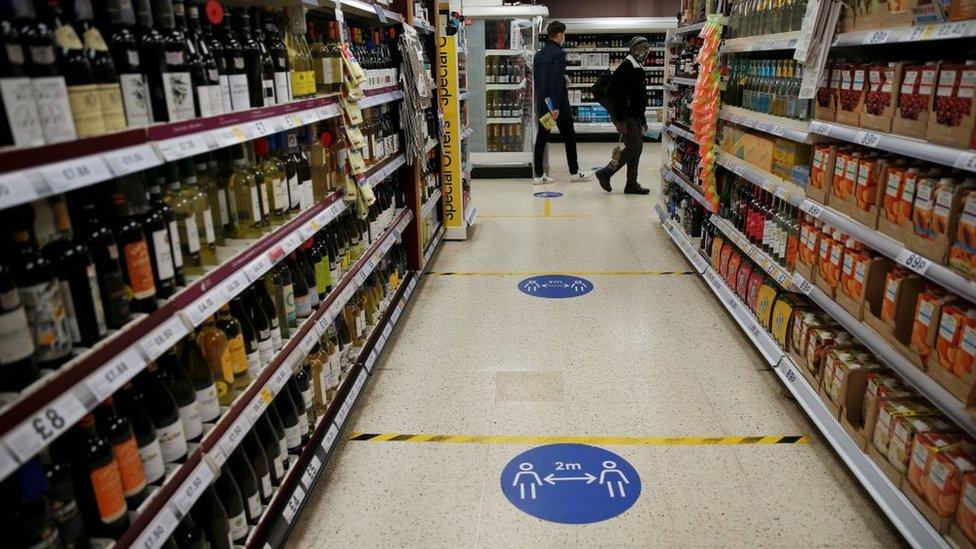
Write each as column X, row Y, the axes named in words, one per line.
column 555, row 286
column 547, row 194
column 570, row 483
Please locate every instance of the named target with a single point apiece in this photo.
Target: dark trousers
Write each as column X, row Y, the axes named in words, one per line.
column 567, row 132
column 633, row 144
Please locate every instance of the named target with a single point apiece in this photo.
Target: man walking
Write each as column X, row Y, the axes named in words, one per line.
column 628, row 101
column 549, row 69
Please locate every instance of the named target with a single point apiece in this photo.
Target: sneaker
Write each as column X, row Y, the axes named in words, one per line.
column 604, row 180
column 543, row 180
column 636, row 189
column 580, row 176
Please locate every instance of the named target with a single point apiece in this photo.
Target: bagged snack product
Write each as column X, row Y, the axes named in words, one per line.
column 922, row 222
column 732, row 269
column 903, row 430
column 820, row 174
column 741, row 285
column 881, row 96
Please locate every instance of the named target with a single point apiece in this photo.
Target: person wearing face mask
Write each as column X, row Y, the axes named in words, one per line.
column 627, row 96
column 549, row 68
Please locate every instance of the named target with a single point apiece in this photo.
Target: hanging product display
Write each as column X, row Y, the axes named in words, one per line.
column 705, row 106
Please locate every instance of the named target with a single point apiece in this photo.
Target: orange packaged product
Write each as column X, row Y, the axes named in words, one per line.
column 966, row 512
column 962, row 255
column 854, row 272
column 922, row 209
column 943, row 484
column 837, row 249
column 926, row 313
column 945, row 194
column 903, row 431
column 741, row 286
column 962, row 365
column 823, row 262
column 819, row 340
column 894, row 184
column 850, row 175
column 819, row 171
column 804, row 322
column 924, row 449
column 908, row 191
column 842, row 361
column 723, row 262
column 879, row 385
column 840, row 170
column 954, row 318
column 732, row 269
column 892, row 283
column 755, row 283
column 869, row 172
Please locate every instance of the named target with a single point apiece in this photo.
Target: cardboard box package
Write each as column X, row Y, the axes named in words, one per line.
column 898, row 176
column 825, row 104
column 928, row 309
column 962, row 9
column 850, row 95
column 915, row 100
column 938, row 464
column 962, row 255
column 884, row 85
column 935, row 214
column 903, row 430
column 871, row 170
column 872, row 14
column 965, row 523
column 821, row 173
column 787, row 154
column 954, row 112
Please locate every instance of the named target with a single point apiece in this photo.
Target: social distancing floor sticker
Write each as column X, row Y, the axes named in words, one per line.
column 607, row 440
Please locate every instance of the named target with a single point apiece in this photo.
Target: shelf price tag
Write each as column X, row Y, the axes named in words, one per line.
column 294, row 504
column 233, row 286
column 868, row 139
column 782, row 192
column 778, row 131
column 7, row 463
column 330, row 438
column 261, row 128
column 254, row 410
column 107, row 379
column 225, row 137
column 762, row 126
column 235, row 433
column 158, row 530
column 312, row 471
column 811, row 208
column 802, row 284
column 964, row 161
column 370, row 360
column 15, row 189
column 165, row 335
column 189, row 492
column 204, row 306
column 913, row 261
column 131, row 159
column 182, row 147
column 876, row 37
column 818, row 127
column 290, row 242
column 44, row 426
column 307, row 116
column 343, row 412
column 75, row 173
column 256, row 269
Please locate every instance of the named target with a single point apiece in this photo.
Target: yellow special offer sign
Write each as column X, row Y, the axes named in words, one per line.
column 447, row 94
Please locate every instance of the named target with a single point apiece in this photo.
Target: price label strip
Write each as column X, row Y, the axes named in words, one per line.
column 913, row 261
column 256, row 269
column 232, row 286
column 15, row 188
column 202, row 307
column 235, row 433
column 158, row 530
column 78, row 172
column 182, row 147
column 802, row 284
column 294, row 504
column 45, row 425
column 312, row 471
column 107, row 379
column 131, row 159
column 163, row 337
column 812, row 208
column 189, row 492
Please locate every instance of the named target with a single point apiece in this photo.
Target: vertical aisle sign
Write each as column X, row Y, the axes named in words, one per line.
column 447, row 95
column 570, row 483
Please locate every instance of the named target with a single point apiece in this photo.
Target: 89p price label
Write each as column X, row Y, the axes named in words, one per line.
column 913, row 261
column 44, row 426
column 811, row 208
column 819, row 127
column 966, row 161
column 868, row 139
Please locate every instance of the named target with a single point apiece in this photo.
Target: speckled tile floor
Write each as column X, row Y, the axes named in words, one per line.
column 640, row 355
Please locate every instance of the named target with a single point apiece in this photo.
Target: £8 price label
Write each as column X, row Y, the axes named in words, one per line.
column 44, row 426
column 913, row 261
column 163, row 337
column 71, row 174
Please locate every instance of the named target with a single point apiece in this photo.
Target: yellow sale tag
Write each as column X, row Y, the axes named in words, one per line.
column 266, row 395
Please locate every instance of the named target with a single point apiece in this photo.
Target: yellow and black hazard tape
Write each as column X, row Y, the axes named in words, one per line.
column 633, row 441
column 569, row 273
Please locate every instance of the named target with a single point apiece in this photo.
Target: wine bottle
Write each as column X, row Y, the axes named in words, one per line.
column 152, row 59
column 244, row 203
column 199, row 372
column 210, row 513
column 212, row 341
column 177, row 80
column 20, row 124
column 172, row 373
column 98, row 482
column 182, row 203
column 39, row 291
column 241, row 469
column 118, row 431
column 279, row 428
column 333, row 58
column 253, row 65
column 318, row 254
column 156, row 178
column 209, row 99
column 25, row 513
column 202, row 213
column 188, row 535
column 305, row 423
column 308, row 270
column 260, row 464
column 120, row 17
column 133, row 404
column 252, row 350
column 136, row 263
column 262, row 328
column 299, row 72
column 215, row 196
column 264, row 299
column 303, row 301
column 105, row 253
column 155, row 222
column 279, row 56
column 47, row 74
column 61, row 496
column 230, row 495
column 236, row 354
column 284, row 296
column 274, row 179
column 103, row 67
column 289, row 417
column 303, row 382
column 17, row 366
column 164, row 412
column 208, row 34
column 264, row 227
column 234, row 57
column 267, row 65
column 269, row 441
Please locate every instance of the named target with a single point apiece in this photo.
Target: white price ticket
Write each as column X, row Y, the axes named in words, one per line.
column 131, row 159
column 15, row 188
column 75, row 173
column 913, row 261
column 107, row 379
column 164, row 336
column 189, row 492
column 43, row 426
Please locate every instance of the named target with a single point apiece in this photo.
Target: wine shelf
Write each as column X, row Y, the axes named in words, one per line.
column 379, row 96
column 679, row 179
column 428, row 208
column 431, row 143
column 794, row 130
column 689, row 28
column 758, row 256
column 902, row 513
column 423, row 26
column 920, row 33
column 178, row 493
column 378, row 173
column 764, row 42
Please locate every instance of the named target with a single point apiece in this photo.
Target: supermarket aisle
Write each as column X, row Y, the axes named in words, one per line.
column 643, row 355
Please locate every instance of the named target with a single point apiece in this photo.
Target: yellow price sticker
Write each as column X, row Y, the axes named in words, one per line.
column 238, row 134
column 315, row 225
column 266, row 395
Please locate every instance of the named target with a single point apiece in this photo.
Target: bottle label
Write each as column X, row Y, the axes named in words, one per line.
column 303, row 425
column 361, row 323
column 17, row 97
column 334, row 367
column 276, row 342
column 225, row 93
column 53, row 108
column 293, row 436
column 163, row 253
column 303, row 306
column 295, row 191
column 86, row 111
column 254, row 506
column 279, row 190
column 227, row 369
column 113, row 112
column 15, row 336
column 266, row 486
column 238, row 529
column 177, row 88
column 266, row 350
column 323, row 278
column 172, row 440
column 135, row 100
column 174, row 238
column 255, row 204
column 216, row 96
column 288, row 291
column 208, row 227
column 308, row 198
column 139, row 267
column 238, row 354
column 192, row 236
column 279, row 467
column 307, row 397
column 207, row 108
column 190, row 416
column 268, row 89
column 48, row 320
column 208, row 405
column 253, row 363
column 151, row 456
column 130, row 467
column 298, row 82
column 239, row 96
column 97, row 308
column 265, row 205
column 282, row 90
column 107, row 488
column 69, row 311
column 222, row 207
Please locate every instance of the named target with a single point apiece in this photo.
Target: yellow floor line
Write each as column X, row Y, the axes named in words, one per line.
column 547, row 208
column 574, row 273
column 631, row 441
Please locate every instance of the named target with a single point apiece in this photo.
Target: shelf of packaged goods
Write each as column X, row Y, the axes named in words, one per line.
column 679, row 179
column 379, row 96
column 594, row 68
column 365, row 10
column 378, row 173
column 429, row 146
column 877, row 241
column 689, row 28
column 180, row 491
column 428, row 208
column 902, row 513
column 288, row 502
column 915, row 376
column 684, row 81
column 503, row 120
column 921, row 33
column 763, row 42
column 674, row 129
column 593, row 50
column 422, row 25
column 37, row 172
column 501, row 86
column 758, row 256
column 794, row 130
column 496, row 52
column 898, row 144
column 432, row 245
column 78, row 386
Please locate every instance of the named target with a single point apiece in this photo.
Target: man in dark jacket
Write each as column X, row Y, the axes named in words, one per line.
column 549, row 70
column 628, row 99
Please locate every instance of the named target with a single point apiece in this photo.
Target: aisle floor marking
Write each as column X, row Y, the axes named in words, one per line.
column 570, row 273
column 632, row 441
